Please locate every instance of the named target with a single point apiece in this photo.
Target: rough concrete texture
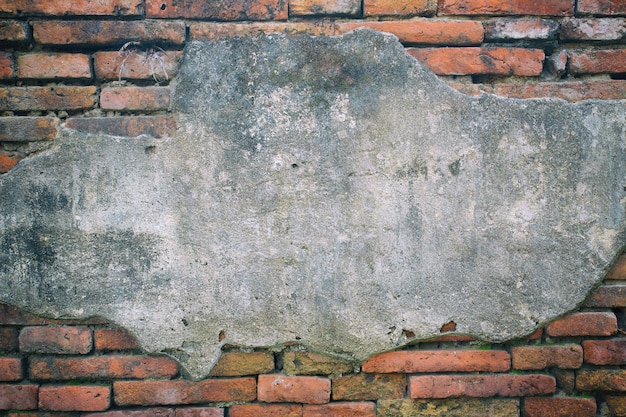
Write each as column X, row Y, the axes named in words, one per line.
column 326, row 190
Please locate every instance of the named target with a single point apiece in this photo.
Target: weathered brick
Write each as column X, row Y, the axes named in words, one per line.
column 7, row 65
column 242, row 363
column 265, row 410
column 47, row 98
column 18, row 397
column 297, row 389
column 601, row 7
column 219, row 10
column 28, row 129
column 605, row 352
column 593, row 29
column 14, row 31
column 214, row 31
column 183, row 392
column 559, row 407
column 522, row 29
column 324, row 7
column 481, row 60
column 8, row 335
column 156, row 126
column 137, row 65
column 114, row 339
column 369, row 387
column 309, row 363
column 7, row 161
column 584, row 324
column 461, row 407
column 616, row 405
column 506, row 7
column 504, row 385
column 135, row 98
column 77, row 7
column 41, row 414
column 609, row 296
column 601, row 380
column 574, row 91
column 108, row 32
column 10, row 315
column 199, row 412
column 565, row 380
column 412, row 361
column 597, row 61
column 106, row 367
column 144, row 412
column 618, row 271
column 340, row 409
column 11, row 369
column 54, row 65
column 540, row 357
column 74, row 398
column 424, row 31
column 399, row 7
column 56, row 339
column 455, row 338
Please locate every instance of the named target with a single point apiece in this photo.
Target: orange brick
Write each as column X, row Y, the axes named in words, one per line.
column 324, row 7
column 74, row 398
column 506, row 7
column 297, row 389
column 572, row 91
column 18, row 397
column 108, row 32
column 54, row 65
column 144, row 412
column 601, row 7
column 242, row 363
column 605, row 352
column 584, row 324
column 137, row 65
column 597, row 61
column 6, row 65
column 11, row 369
column 114, row 339
column 56, row 339
column 601, row 380
column 504, row 385
column 28, row 129
column 199, row 412
column 135, row 98
column 412, row 361
column 7, row 162
column 155, row 126
column 340, row 409
column 214, row 31
column 529, row 358
column 593, row 29
column 477, row 60
column 265, row 410
column 74, row 7
column 47, row 98
column 310, row 363
column 226, row 10
column 559, row 407
column 616, row 405
column 399, row 7
column 522, row 29
column 8, row 335
column 425, row 31
column 14, row 31
column 183, row 392
column 618, row 271
column 368, row 387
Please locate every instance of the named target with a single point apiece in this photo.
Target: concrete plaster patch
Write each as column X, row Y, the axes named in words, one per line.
column 325, row 190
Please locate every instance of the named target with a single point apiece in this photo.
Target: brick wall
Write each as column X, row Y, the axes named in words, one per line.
column 105, row 66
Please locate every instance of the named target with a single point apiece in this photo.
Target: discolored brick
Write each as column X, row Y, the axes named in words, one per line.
column 559, row 407
column 243, row 363
column 601, row 7
column 368, row 387
column 74, row 398
column 28, row 129
column 14, row 31
column 399, row 7
column 597, row 61
column 601, row 380
column 214, row 31
column 47, row 98
column 506, row 7
column 520, row 29
column 155, row 126
column 56, row 339
column 412, row 361
column 265, row 410
column 159, row 65
column 18, row 396
column 461, row 407
column 78, row 7
column 541, row 357
column 11, row 369
column 7, row 64
column 593, row 29
column 584, row 324
column 54, row 65
column 297, row 389
column 324, row 7
column 221, row 10
column 504, row 385
column 605, row 352
column 340, row 409
column 310, row 363
column 574, row 91
column 135, row 98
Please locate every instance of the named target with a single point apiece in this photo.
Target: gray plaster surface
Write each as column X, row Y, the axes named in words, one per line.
column 326, row 190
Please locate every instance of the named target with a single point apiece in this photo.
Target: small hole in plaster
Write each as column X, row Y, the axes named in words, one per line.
column 150, row 150
column 298, row 338
column 163, row 6
column 448, row 327
column 294, row 166
column 221, row 336
column 408, row 334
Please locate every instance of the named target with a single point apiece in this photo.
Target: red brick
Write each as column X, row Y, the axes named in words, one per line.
column 597, row 61
column 114, row 339
column 200, row 412
column 399, row 7
column 218, row 10
column 584, row 324
column 310, row 363
column 559, row 407
column 481, row 60
column 528, row 358
column 592, row 29
column 214, row 31
column 7, row 162
column 156, row 126
column 73, row 8
column 618, row 271
column 601, row 7
column 601, row 380
column 324, row 7
column 56, row 339
column 412, row 361
column 242, row 363
column 368, row 387
column 144, row 412
column 297, row 389
column 605, row 352
column 8, row 337
column 135, row 98
column 572, row 91
column 504, row 385
column 183, row 392
column 616, row 405
column 18, row 397
column 136, row 65
column 54, row 65
column 28, row 129
column 522, row 29
column 74, row 398
column 6, row 65
column 108, row 32
column 265, row 410
column 609, row 296
column 425, row 31
column 14, row 31
column 47, row 98
column 506, row 7
column 11, row 369
column 346, row 409
column 102, row 367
